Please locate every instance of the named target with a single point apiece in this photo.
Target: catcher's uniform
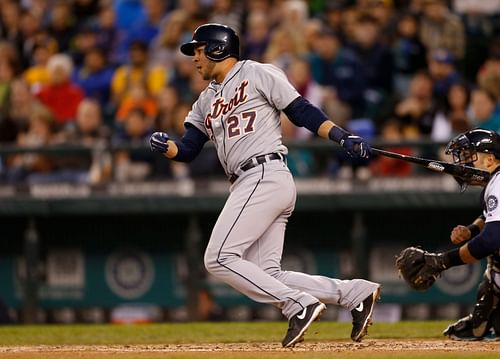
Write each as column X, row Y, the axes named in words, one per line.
column 241, row 116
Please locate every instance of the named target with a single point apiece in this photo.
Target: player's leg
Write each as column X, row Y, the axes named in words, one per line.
column 476, row 325
column 255, row 201
column 351, row 294
column 267, row 252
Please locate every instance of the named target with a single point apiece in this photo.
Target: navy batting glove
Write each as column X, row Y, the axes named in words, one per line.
column 354, row 145
column 158, row 142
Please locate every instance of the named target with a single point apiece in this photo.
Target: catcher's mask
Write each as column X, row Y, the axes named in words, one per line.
column 464, row 147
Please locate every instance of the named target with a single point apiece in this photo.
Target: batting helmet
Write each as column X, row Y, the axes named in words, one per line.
column 465, row 146
column 221, row 42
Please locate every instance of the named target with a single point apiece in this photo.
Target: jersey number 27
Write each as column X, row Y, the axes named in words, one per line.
column 237, row 124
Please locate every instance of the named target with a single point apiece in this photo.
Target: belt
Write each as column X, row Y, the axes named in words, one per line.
column 254, row 162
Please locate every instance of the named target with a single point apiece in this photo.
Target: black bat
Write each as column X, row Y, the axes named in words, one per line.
column 463, row 174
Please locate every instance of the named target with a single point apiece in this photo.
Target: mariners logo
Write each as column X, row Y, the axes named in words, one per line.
column 491, row 203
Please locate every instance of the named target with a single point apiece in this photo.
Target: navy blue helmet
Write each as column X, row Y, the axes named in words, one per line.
column 221, row 42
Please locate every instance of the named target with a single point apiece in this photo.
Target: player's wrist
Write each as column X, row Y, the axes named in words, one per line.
column 451, row 258
column 337, row 134
column 474, row 230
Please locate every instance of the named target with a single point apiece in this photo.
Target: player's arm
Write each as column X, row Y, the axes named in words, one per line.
column 184, row 150
column 303, row 114
column 461, row 234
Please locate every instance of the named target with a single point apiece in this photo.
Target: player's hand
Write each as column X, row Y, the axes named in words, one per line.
column 356, row 146
column 460, row 234
column 158, row 142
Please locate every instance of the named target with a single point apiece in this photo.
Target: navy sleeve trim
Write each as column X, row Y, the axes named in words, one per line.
column 486, row 242
column 304, row 114
column 190, row 144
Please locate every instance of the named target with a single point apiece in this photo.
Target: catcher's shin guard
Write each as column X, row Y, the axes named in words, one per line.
column 461, row 330
column 487, row 299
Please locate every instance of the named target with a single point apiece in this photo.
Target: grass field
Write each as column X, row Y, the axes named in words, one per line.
column 235, row 340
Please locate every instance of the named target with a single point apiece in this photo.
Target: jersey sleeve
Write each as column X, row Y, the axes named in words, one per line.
column 491, row 198
column 195, row 117
column 273, row 84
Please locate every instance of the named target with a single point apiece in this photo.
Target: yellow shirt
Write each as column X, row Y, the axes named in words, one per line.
column 155, row 79
column 36, row 76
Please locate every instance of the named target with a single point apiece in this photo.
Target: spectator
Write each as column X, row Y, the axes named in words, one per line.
column 168, row 101
column 138, row 99
column 227, row 12
column 94, row 77
column 84, row 40
column 257, row 36
column 480, row 19
column 340, row 70
column 31, row 27
column 39, row 133
column 333, row 17
column 138, row 71
column 86, row 11
column 409, row 53
column 453, row 120
column 416, row 111
column 61, row 95
column 20, row 106
column 37, row 75
column 136, row 131
column 483, row 105
column 383, row 12
column 10, row 24
column 108, row 36
column 165, row 46
column 7, row 74
column 392, row 133
column 443, row 72
column 146, row 27
column 488, row 76
column 440, row 29
column 181, row 77
column 62, row 26
column 88, row 130
column 284, row 46
column 376, row 59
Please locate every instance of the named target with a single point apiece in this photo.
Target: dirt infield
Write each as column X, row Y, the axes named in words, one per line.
column 375, row 345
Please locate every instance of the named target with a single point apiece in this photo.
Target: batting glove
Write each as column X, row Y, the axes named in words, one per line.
column 158, row 142
column 354, row 145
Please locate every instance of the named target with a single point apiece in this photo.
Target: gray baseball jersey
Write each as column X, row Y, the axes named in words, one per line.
column 242, row 114
column 242, row 117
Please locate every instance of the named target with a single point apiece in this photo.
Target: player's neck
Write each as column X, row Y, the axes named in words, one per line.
column 223, row 68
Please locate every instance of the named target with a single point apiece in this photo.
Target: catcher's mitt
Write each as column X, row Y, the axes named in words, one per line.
column 419, row 268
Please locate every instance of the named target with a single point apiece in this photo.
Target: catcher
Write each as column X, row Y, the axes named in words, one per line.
column 481, row 149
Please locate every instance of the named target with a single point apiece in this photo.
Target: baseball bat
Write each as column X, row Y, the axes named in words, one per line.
column 468, row 174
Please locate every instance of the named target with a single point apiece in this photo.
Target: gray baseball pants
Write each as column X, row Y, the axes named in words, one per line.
column 246, row 246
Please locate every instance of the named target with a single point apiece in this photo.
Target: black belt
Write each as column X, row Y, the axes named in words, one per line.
column 254, row 162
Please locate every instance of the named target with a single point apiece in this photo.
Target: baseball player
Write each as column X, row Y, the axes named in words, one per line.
column 486, row 313
column 481, row 239
column 239, row 112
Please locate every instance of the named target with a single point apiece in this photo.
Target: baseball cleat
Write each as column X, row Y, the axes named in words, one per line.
column 300, row 322
column 362, row 316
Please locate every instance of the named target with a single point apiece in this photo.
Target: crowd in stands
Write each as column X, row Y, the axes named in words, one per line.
column 100, row 72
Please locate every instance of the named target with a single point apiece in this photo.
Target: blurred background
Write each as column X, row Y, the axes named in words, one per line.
column 94, row 228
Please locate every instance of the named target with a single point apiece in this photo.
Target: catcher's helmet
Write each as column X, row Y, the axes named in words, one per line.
column 465, row 146
column 221, row 42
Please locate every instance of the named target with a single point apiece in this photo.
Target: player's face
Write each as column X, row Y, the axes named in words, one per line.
column 485, row 162
column 204, row 66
